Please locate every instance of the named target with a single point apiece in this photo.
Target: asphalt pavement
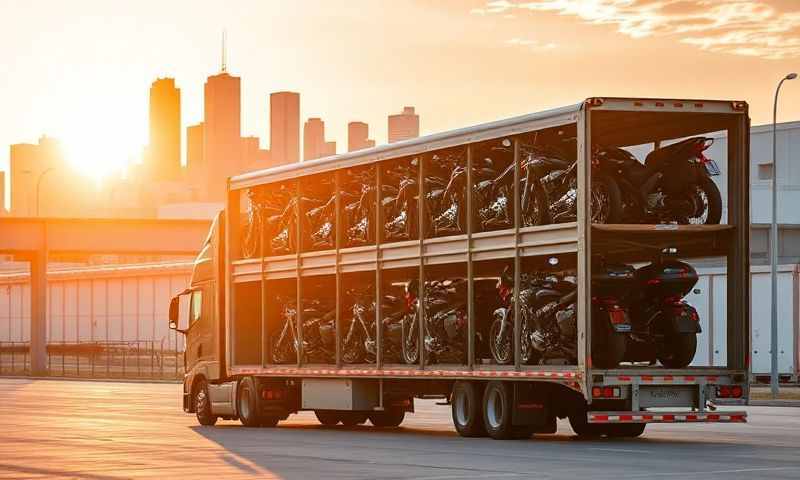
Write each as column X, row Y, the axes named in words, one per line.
column 103, row 430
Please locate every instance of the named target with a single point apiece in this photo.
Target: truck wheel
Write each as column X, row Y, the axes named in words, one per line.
column 387, row 418
column 498, row 407
column 467, row 405
column 678, row 350
column 247, row 403
column 202, row 405
column 581, row 426
column 328, row 418
column 351, row 419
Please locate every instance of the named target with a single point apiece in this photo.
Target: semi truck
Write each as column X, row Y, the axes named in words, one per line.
column 473, row 266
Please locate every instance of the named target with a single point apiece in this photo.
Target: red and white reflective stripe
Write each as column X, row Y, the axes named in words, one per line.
column 671, row 379
column 348, row 372
column 665, row 417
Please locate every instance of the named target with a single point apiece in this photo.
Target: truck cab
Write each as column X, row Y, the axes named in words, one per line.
column 198, row 313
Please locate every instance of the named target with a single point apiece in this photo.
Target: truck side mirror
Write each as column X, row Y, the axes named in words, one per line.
column 173, row 313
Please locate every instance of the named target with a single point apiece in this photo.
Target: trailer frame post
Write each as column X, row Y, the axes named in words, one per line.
column 298, row 316
column 470, row 267
column 584, row 250
column 337, row 227
column 378, row 273
column 421, row 289
column 263, row 310
column 517, row 260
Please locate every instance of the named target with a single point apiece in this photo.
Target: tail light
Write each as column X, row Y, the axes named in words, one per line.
column 606, row 392
column 268, row 394
column 461, row 318
column 730, row 391
column 410, row 298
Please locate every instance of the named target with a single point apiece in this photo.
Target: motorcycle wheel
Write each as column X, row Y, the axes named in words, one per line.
column 535, row 212
column 353, row 351
column 282, row 352
column 410, row 341
column 610, row 352
column 250, row 236
column 708, row 194
column 606, row 199
column 502, row 349
column 678, row 350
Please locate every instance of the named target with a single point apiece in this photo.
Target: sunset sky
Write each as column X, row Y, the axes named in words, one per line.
column 81, row 70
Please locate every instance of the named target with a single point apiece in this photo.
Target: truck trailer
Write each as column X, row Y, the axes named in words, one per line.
column 521, row 271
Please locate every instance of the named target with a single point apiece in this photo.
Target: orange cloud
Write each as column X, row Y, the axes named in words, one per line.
column 739, row 27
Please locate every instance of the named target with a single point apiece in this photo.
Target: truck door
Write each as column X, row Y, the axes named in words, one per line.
column 199, row 336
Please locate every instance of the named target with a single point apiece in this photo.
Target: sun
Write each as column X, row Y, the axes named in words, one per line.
column 99, row 150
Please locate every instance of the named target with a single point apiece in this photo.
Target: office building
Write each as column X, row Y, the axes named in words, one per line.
column 284, row 131
column 254, row 157
column 221, row 132
column 163, row 155
column 404, row 125
column 358, row 136
column 314, row 144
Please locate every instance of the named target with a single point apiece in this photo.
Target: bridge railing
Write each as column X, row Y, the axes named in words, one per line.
column 138, row 359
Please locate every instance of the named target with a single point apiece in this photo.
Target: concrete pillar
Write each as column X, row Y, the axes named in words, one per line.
column 39, row 313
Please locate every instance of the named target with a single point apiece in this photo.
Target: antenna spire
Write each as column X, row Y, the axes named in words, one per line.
column 224, row 52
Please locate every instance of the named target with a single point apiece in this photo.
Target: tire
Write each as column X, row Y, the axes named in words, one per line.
column 611, row 351
column 247, row 403
column 613, row 211
column 502, row 350
column 498, row 406
column 467, row 407
column 410, row 340
column 711, row 191
column 353, row 351
column 678, row 350
column 387, row 418
column 202, row 405
column 581, row 426
column 329, row 418
column 351, row 419
column 269, row 422
column 536, row 212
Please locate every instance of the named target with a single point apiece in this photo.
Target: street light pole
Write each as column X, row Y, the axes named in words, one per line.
column 39, row 184
column 773, row 246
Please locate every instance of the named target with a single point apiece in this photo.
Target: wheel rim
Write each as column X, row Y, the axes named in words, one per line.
column 462, row 405
column 494, row 409
column 201, row 400
column 700, row 198
column 501, row 347
column 244, row 403
column 600, row 203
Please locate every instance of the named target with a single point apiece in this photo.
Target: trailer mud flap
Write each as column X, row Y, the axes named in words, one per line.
column 531, row 407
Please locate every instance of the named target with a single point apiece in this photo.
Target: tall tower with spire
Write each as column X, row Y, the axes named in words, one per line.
column 222, row 128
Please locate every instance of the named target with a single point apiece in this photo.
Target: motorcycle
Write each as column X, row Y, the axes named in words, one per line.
column 320, row 220
column 262, row 213
column 674, row 184
column 359, row 209
column 611, row 320
column 359, row 343
column 319, row 333
column 445, row 317
column 664, row 325
column 400, row 204
column 548, row 323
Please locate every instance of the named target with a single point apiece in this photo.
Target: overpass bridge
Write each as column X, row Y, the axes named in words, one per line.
column 35, row 239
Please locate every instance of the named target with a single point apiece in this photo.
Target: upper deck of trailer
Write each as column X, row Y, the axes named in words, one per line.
column 494, row 129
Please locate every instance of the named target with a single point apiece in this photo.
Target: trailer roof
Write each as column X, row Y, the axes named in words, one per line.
column 397, row 149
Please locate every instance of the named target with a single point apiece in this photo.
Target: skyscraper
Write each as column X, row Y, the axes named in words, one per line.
column 404, row 125
column 163, row 158
column 222, row 132
column 284, row 123
column 358, row 136
column 314, row 144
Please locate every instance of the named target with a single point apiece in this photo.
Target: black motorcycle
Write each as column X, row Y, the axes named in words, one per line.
column 445, row 317
column 359, row 201
column 664, row 326
column 319, row 333
column 321, row 223
column 400, row 203
column 673, row 185
column 359, row 344
column 446, row 206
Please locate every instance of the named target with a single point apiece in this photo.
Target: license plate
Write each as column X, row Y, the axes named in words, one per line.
column 667, row 396
column 712, row 168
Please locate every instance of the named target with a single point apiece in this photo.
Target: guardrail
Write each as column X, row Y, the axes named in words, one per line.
column 143, row 359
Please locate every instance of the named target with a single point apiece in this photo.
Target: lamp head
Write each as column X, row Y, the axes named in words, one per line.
column 791, row 76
